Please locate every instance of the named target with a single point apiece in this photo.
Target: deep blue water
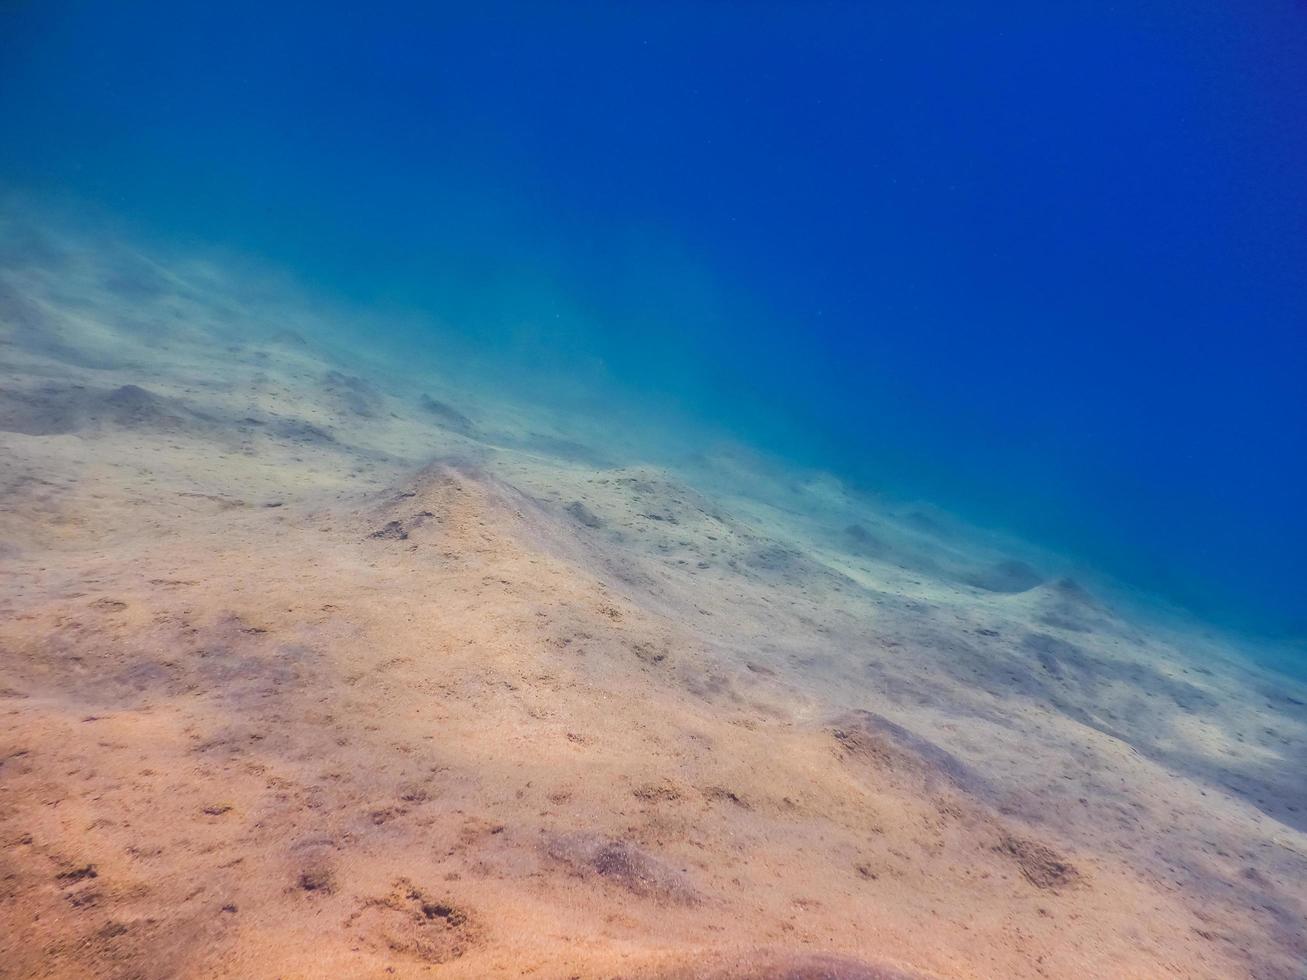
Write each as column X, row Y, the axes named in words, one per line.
column 1043, row 263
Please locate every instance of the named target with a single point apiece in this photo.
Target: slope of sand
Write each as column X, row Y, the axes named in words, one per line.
column 312, row 669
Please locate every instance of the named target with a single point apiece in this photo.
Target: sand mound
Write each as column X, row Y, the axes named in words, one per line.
column 60, row 409
column 1006, row 576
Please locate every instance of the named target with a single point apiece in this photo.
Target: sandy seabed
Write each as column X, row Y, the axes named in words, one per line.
column 312, row 666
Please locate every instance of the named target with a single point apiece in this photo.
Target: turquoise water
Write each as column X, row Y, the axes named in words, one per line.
column 1042, row 266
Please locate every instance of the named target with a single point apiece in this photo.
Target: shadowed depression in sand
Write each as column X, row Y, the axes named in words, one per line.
column 313, row 665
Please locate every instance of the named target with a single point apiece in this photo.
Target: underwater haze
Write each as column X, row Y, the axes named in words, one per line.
column 1043, row 265
column 662, row 491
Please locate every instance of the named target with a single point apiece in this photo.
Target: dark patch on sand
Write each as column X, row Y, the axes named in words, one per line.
column 289, row 338
column 1006, row 576
column 862, row 541
column 1067, row 606
column 61, row 409
column 412, row 924
column 772, row 558
column 131, row 406
column 317, row 879
column 399, row 530
column 621, row 863
column 1125, row 692
column 582, row 514
column 1041, row 865
column 648, row 653
column 31, row 326
column 781, row 965
column 720, row 794
column 567, row 449
column 391, row 531
column 872, row 739
column 664, row 792
column 137, row 280
column 1275, row 787
column 447, row 416
column 352, row 395
column 1077, row 667
column 75, row 875
column 922, row 519
column 306, row 433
